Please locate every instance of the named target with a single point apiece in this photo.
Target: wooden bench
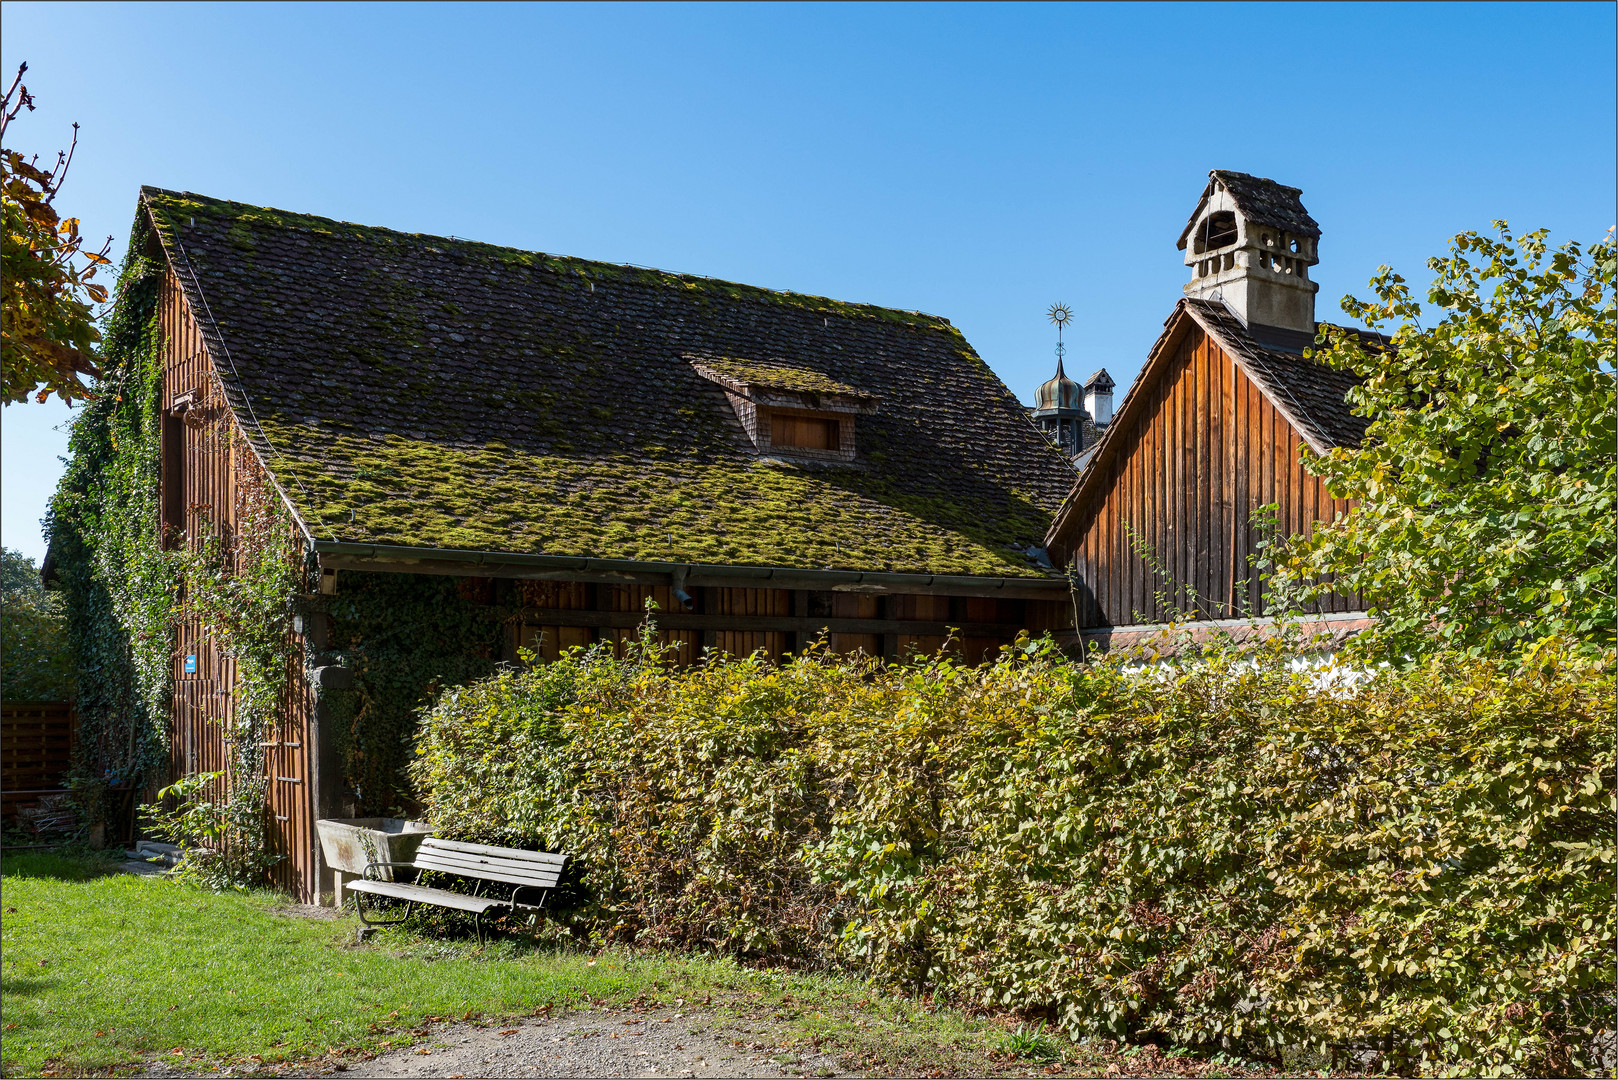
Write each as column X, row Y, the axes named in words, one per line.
column 528, row 872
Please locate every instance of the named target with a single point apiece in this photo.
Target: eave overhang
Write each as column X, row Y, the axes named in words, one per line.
column 385, row 558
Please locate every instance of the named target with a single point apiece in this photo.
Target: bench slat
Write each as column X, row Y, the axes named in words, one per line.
column 491, row 870
column 421, row 894
column 514, row 854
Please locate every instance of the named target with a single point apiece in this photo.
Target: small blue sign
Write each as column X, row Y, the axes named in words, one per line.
column 191, row 663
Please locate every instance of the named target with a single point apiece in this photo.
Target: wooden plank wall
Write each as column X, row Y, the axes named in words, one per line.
column 780, row 622
column 217, row 474
column 36, row 750
column 1207, row 452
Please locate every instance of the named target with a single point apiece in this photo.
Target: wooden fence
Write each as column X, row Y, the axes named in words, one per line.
column 36, row 750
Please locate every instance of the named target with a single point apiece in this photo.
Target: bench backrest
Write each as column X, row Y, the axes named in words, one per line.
column 537, row 868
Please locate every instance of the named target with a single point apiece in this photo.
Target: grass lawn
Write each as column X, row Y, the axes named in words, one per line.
column 106, row 972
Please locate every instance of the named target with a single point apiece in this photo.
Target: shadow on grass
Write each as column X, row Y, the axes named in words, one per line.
column 61, row 865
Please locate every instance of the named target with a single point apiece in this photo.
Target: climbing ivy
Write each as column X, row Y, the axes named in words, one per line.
column 124, row 592
column 406, row 637
column 241, row 589
column 118, row 583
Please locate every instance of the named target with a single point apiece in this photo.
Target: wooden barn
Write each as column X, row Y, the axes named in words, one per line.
column 1160, row 526
column 481, row 449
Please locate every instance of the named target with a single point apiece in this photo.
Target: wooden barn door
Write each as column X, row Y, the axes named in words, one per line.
column 290, row 799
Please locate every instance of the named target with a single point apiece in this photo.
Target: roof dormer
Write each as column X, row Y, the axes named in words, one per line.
column 789, row 411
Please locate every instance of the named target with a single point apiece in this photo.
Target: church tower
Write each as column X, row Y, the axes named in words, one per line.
column 1059, row 412
column 1059, row 404
column 1250, row 243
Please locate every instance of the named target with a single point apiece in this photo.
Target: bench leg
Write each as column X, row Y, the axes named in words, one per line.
column 359, row 907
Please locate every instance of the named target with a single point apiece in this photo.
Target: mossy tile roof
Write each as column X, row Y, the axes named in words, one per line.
column 424, row 391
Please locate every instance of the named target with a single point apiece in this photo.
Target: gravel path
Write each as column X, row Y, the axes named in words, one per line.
column 606, row 1043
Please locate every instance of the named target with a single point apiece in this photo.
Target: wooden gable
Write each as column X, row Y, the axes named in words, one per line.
column 1160, row 527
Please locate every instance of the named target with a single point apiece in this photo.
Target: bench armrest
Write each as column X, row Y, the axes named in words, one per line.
column 377, row 865
column 542, row 890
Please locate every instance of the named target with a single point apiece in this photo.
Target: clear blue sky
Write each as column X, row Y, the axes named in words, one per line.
column 978, row 162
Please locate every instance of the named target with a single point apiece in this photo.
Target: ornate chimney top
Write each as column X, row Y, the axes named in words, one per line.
column 1250, row 244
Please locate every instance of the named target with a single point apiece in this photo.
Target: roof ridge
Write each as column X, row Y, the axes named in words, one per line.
column 858, row 306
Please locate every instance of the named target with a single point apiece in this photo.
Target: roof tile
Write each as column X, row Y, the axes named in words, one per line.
column 420, row 390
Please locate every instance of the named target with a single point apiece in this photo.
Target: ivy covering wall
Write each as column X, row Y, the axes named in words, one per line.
column 406, row 637
column 118, row 583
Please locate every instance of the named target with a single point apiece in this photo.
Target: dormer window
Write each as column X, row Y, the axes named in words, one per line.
column 790, row 412
column 797, row 431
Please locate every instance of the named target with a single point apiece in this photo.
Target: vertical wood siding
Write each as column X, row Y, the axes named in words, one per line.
column 548, row 604
column 215, row 472
column 1171, row 532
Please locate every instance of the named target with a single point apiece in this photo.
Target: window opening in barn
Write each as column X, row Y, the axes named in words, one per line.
column 803, row 432
column 173, row 449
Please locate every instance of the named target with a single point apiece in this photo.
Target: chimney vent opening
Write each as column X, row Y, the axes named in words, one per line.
column 1218, row 230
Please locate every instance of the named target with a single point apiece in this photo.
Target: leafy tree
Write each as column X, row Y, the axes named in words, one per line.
column 1486, row 483
column 49, row 333
column 35, row 663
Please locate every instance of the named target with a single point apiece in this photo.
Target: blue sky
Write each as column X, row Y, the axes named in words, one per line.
column 978, row 162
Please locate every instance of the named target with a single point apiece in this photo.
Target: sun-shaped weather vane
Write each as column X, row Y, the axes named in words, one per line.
column 1061, row 315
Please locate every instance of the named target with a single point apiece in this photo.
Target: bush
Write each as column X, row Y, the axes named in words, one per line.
column 35, row 664
column 219, row 827
column 1227, row 853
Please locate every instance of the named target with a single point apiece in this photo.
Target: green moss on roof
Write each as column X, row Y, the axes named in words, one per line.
column 421, row 391
column 419, row 493
column 778, row 376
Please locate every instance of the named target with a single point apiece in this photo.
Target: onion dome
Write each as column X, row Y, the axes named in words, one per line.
column 1060, row 392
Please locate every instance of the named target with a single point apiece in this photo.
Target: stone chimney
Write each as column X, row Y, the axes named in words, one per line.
column 1098, row 398
column 1250, row 244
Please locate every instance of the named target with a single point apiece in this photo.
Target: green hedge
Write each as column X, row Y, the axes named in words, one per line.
column 1226, row 852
